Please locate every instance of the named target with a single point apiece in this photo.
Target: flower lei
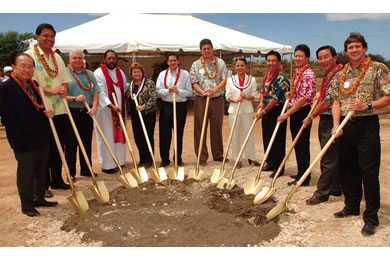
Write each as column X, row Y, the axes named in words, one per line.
column 44, row 63
column 354, row 87
column 78, row 81
column 295, row 83
column 325, row 84
column 241, row 86
column 205, row 69
column 270, row 82
column 139, row 89
column 177, row 77
column 29, row 94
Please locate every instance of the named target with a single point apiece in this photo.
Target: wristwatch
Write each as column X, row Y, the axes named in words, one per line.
column 369, row 105
column 74, row 99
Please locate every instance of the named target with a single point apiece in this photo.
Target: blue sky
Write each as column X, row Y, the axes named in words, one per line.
column 314, row 29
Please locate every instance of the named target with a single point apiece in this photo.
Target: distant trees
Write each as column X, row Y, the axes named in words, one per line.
column 343, row 59
column 11, row 43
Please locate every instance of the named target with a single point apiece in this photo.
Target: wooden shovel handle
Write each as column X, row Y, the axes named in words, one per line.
column 58, row 143
column 202, row 132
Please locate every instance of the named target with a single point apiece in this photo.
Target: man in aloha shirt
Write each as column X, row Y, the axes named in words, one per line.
column 208, row 77
column 275, row 86
column 303, row 87
column 50, row 73
column 360, row 146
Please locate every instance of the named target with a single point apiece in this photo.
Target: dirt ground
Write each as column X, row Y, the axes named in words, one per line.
column 190, row 213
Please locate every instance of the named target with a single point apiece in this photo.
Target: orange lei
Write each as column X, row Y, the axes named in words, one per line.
column 44, row 63
column 78, row 81
column 354, row 87
column 295, row 83
column 205, row 69
column 38, row 106
column 325, row 84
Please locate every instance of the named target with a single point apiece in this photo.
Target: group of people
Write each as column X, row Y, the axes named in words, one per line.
column 353, row 160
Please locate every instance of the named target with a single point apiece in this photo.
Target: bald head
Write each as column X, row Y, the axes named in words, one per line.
column 76, row 60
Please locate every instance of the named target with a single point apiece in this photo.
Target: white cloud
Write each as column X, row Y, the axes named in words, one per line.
column 350, row 17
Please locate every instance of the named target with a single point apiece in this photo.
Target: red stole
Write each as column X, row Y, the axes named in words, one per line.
column 119, row 135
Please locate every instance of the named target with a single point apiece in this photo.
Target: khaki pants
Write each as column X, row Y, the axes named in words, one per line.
column 215, row 116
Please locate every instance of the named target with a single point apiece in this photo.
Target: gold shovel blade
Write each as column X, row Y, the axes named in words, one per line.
column 127, row 180
column 275, row 211
column 222, row 183
column 217, row 176
column 144, row 175
column 79, row 203
column 100, row 192
column 173, row 175
column 252, row 187
column 263, row 195
column 159, row 176
column 137, row 177
column 196, row 175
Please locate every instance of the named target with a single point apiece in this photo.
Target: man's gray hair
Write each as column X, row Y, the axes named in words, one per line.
column 76, row 50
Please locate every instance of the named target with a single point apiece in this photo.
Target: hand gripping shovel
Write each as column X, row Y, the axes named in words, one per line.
column 139, row 174
column 254, row 184
column 158, row 174
column 76, row 199
column 218, row 174
column 197, row 174
column 125, row 179
column 175, row 173
column 98, row 188
column 268, row 191
column 228, row 184
column 283, row 205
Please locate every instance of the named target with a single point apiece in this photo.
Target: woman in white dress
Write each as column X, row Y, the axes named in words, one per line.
column 242, row 88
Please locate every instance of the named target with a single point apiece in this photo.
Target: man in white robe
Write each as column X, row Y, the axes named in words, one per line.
column 110, row 78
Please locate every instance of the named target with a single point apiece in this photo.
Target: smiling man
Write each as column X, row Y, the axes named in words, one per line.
column 363, row 87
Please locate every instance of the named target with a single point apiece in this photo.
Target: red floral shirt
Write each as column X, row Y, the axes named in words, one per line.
column 306, row 88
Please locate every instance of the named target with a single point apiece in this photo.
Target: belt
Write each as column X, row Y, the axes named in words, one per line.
column 361, row 118
column 80, row 110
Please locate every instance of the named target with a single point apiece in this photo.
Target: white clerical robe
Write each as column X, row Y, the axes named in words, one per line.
column 104, row 118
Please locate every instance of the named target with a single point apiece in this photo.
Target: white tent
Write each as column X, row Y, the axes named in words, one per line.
column 147, row 34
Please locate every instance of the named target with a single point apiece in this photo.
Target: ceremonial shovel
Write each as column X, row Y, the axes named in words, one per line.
column 228, row 184
column 283, row 205
column 125, row 178
column 254, row 185
column 175, row 173
column 267, row 191
column 98, row 189
column 198, row 174
column 218, row 174
column 140, row 173
column 158, row 174
column 76, row 199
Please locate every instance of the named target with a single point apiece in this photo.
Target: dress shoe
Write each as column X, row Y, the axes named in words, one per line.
column 274, row 173
column 110, row 171
column 62, row 186
column 87, row 174
column 337, row 194
column 73, row 178
column 221, row 160
column 140, row 164
column 48, row 194
column 368, row 229
column 148, row 165
column 203, row 163
column 164, row 163
column 314, row 200
column 45, row 203
column 239, row 165
column 268, row 167
column 122, row 166
column 255, row 163
column 345, row 213
column 305, row 183
column 294, row 176
column 31, row 213
column 180, row 163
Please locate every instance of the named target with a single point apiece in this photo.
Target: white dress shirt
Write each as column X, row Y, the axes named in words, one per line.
column 183, row 84
column 234, row 92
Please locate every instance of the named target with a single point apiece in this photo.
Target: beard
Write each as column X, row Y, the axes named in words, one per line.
column 110, row 65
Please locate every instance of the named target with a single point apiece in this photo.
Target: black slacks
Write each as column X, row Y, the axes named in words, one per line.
column 84, row 125
column 166, row 128
column 302, row 148
column 31, row 176
column 278, row 149
column 360, row 156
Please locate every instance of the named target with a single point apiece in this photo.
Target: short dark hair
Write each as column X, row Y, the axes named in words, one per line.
column 23, row 54
column 241, row 59
column 304, row 48
column 274, row 53
column 42, row 26
column 205, row 41
column 355, row 37
column 108, row 51
column 332, row 50
column 172, row 54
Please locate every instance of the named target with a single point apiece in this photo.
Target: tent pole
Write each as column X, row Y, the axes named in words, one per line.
column 291, row 66
column 220, row 54
column 250, row 65
column 133, row 57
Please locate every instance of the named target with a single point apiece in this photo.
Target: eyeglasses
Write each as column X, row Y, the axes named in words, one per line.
column 25, row 67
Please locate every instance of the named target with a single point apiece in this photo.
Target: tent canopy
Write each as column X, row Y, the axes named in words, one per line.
column 150, row 34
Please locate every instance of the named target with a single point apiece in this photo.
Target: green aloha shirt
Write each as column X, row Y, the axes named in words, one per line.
column 44, row 80
column 199, row 75
column 374, row 85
